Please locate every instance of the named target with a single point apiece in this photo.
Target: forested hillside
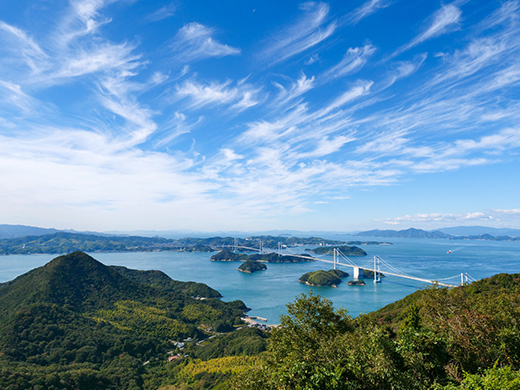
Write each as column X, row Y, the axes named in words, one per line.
column 76, row 323
column 438, row 338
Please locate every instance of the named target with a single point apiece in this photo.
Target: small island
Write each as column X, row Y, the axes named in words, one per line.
column 345, row 249
column 323, row 278
column 370, row 274
column 251, row 266
column 357, row 282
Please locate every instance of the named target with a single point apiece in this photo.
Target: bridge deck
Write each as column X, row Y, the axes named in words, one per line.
column 365, row 268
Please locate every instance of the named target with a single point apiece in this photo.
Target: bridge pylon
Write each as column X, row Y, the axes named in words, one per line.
column 377, row 269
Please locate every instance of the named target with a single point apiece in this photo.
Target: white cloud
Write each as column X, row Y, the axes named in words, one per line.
column 295, row 90
column 353, row 60
column 366, row 9
column 404, row 69
column 238, row 97
column 82, row 20
column 102, row 59
column 195, row 41
column 23, row 48
column 162, row 13
column 493, row 216
column 360, row 89
column 12, row 94
column 443, row 21
column 327, row 146
column 308, row 31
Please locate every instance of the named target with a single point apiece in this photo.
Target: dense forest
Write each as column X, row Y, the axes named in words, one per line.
column 323, row 278
column 77, row 324
column 226, row 255
column 438, row 338
column 251, row 266
column 344, row 249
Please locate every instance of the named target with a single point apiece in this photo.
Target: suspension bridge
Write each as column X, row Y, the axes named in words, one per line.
column 376, row 266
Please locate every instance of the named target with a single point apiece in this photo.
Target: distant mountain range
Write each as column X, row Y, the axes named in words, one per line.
column 15, row 231
column 478, row 230
column 418, row 233
column 20, row 239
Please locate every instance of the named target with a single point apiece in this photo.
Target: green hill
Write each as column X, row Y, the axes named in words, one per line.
column 252, row 266
column 76, row 323
column 345, row 249
column 323, row 278
column 226, row 255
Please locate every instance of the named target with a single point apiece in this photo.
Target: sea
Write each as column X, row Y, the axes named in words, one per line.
column 267, row 293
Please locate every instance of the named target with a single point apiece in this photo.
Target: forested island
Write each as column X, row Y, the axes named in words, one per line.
column 322, row 278
column 227, row 255
column 251, row 266
column 344, row 249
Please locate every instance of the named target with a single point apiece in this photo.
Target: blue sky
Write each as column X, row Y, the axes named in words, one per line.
column 258, row 115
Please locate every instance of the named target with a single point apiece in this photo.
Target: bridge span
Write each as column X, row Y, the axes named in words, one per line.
column 339, row 259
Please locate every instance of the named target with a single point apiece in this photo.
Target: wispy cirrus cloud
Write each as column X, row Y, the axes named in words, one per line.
column 294, row 91
column 365, row 10
column 361, row 88
column 82, row 19
column 195, row 41
column 443, row 21
column 162, row 13
column 237, row 97
column 12, row 95
column 23, row 49
column 353, row 60
column 309, row 30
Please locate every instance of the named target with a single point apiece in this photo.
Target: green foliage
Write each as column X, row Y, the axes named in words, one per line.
column 495, row 378
column 339, row 273
column 252, row 266
column 437, row 338
column 163, row 281
column 62, row 242
column 226, row 255
column 145, row 320
column 78, row 324
column 345, row 249
column 321, row 278
column 243, row 342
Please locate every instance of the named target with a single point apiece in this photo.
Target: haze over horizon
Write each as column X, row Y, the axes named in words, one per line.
column 253, row 116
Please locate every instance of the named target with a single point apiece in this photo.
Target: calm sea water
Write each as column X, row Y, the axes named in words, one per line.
column 268, row 292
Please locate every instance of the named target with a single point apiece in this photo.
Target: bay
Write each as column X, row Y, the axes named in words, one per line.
column 268, row 292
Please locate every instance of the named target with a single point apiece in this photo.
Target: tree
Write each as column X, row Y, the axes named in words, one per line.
column 317, row 347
